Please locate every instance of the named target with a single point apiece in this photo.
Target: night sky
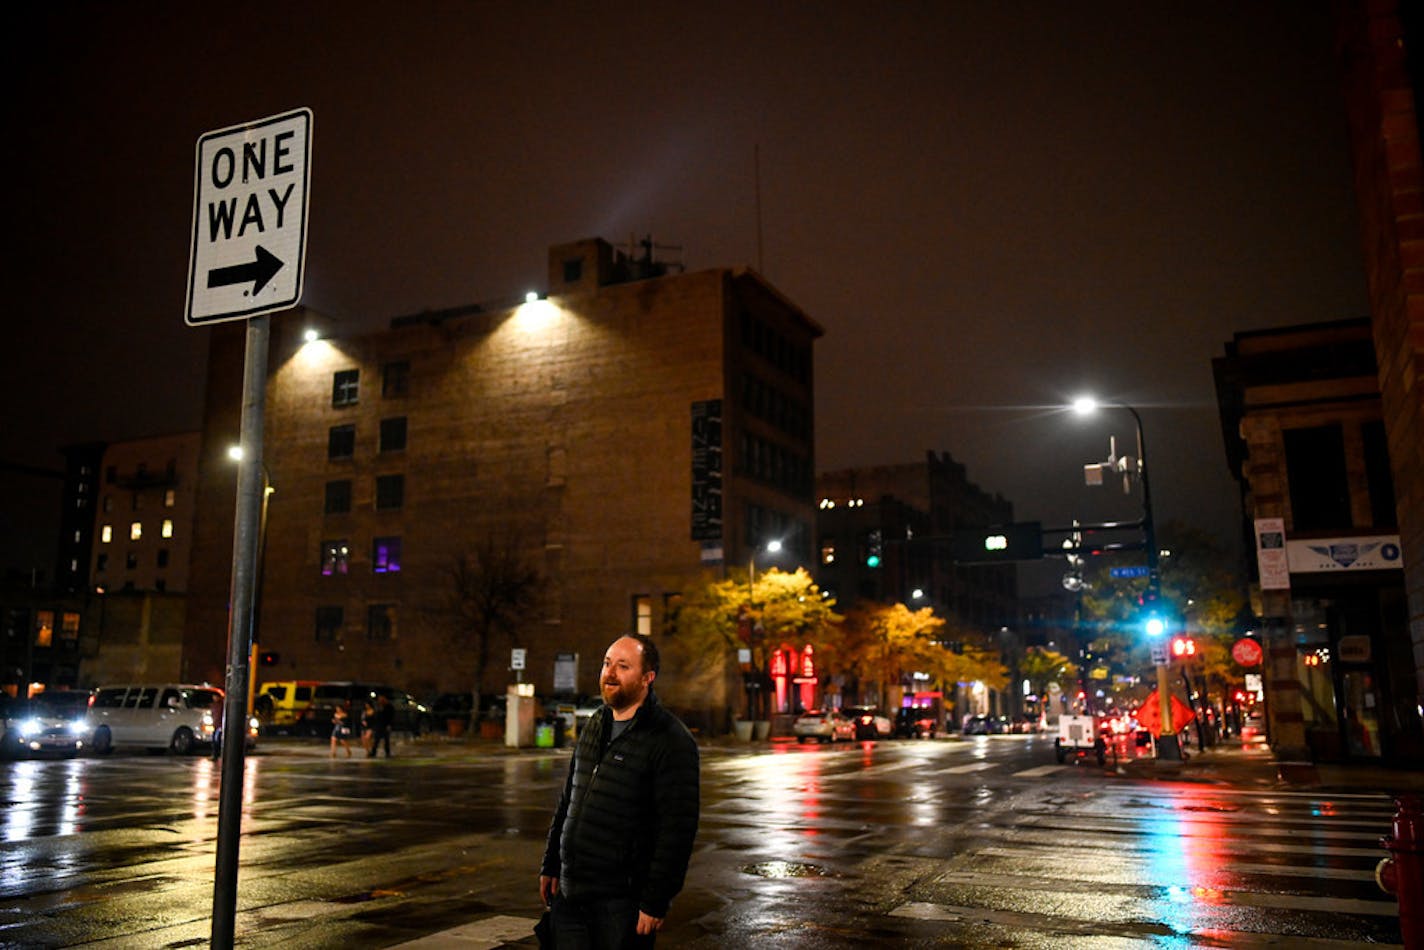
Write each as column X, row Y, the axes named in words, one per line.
column 989, row 206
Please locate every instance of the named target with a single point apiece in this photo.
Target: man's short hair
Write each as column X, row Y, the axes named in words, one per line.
column 651, row 660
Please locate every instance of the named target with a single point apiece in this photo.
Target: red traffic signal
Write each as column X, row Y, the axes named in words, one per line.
column 1183, row 647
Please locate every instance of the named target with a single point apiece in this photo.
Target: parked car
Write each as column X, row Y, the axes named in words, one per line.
column 984, row 726
column 175, row 716
column 869, row 722
column 282, row 706
column 37, row 725
column 823, row 725
column 914, row 722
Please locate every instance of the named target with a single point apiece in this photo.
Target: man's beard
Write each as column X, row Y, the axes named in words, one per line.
column 618, row 696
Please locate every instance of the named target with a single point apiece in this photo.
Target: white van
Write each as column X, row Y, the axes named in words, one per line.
column 170, row 716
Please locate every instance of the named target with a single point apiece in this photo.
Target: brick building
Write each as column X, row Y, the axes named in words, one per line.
column 1302, row 420
column 626, row 435
column 1382, row 53
column 904, row 515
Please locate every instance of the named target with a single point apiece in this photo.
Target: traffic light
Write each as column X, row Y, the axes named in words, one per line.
column 874, row 548
column 1022, row 541
column 1183, row 648
column 1153, row 614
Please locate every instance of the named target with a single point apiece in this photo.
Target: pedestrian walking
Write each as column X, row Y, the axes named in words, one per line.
column 368, row 725
column 623, row 831
column 381, row 724
column 340, row 730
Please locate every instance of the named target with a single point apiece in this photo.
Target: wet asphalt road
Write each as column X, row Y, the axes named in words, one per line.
column 970, row 842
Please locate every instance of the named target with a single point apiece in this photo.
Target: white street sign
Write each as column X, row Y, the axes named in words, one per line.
column 516, row 658
column 249, row 219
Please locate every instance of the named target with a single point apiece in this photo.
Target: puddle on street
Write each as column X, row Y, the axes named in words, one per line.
column 779, row 869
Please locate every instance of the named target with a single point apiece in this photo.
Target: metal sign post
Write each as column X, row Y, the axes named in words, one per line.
column 248, row 257
column 239, row 639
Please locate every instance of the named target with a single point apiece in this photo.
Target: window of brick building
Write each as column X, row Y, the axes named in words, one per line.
column 341, row 442
column 328, row 624
column 395, row 379
column 345, row 387
column 338, row 497
column 1383, row 513
column 386, row 555
column 381, row 622
column 390, row 491
column 335, row 557
column 642, row 614
column 1319, row 488
column 393, row 434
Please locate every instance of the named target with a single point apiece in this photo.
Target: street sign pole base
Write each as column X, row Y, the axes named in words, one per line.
column 1169, row 749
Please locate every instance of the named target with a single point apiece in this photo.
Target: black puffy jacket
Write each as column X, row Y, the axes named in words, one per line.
column 628, row 816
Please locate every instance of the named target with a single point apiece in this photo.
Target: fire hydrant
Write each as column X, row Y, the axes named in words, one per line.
column 1402, row 873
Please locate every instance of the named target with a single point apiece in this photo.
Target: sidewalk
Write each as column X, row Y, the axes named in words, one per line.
column 1251, row 762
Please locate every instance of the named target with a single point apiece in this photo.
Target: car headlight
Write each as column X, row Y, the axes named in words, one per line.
column 207, row 722
column 30, row 727
column 253, row 725
column 78, row 727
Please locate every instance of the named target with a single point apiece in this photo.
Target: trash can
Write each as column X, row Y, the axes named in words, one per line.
column 544, row 735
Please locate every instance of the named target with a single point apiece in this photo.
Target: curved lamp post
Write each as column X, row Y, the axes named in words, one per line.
column 1167, row 745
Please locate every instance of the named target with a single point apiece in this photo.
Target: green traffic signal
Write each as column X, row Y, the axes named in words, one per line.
column 1155, row 626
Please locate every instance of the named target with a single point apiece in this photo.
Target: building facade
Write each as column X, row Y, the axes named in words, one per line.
column 1305, row 436
column 1382, row 55
column 883, row 535
column 628, row 434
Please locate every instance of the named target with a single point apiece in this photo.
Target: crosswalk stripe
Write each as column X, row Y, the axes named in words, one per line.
column 1051, row 863
column 1041, row 771
column 968, row 767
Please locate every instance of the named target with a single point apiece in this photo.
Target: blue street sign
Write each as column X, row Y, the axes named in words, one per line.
column 1129, row 572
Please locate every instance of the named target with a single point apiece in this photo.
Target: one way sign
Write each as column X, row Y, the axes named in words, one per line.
column 249, row 219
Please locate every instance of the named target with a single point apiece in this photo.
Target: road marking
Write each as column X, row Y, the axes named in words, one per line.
column 969, row 767
column 1148, row 932
column 487, row 934
column 1239, row 898
column 1041, row 771
column 1051, row 864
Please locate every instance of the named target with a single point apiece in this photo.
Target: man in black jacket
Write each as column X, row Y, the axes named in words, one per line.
column 622, row 835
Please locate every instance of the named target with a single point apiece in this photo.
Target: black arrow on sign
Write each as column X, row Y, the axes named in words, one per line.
column 259, row 271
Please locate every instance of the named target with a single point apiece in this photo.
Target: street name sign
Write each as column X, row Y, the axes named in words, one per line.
column 249, row 219
column 1137, row 571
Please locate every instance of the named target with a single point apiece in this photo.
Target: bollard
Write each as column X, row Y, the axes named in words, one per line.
column 1402, row 873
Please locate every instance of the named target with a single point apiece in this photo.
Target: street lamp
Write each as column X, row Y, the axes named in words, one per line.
column 1167, row 745
column 753, row 677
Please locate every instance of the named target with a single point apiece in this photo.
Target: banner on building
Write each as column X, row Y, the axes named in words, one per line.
column 1320, row 555
column 707, row 470
column 1271, row 561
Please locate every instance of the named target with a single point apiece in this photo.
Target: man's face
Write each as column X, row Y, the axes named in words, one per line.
column 624, row 682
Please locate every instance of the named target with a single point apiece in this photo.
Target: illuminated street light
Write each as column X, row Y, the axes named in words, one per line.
column 1167, row 746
